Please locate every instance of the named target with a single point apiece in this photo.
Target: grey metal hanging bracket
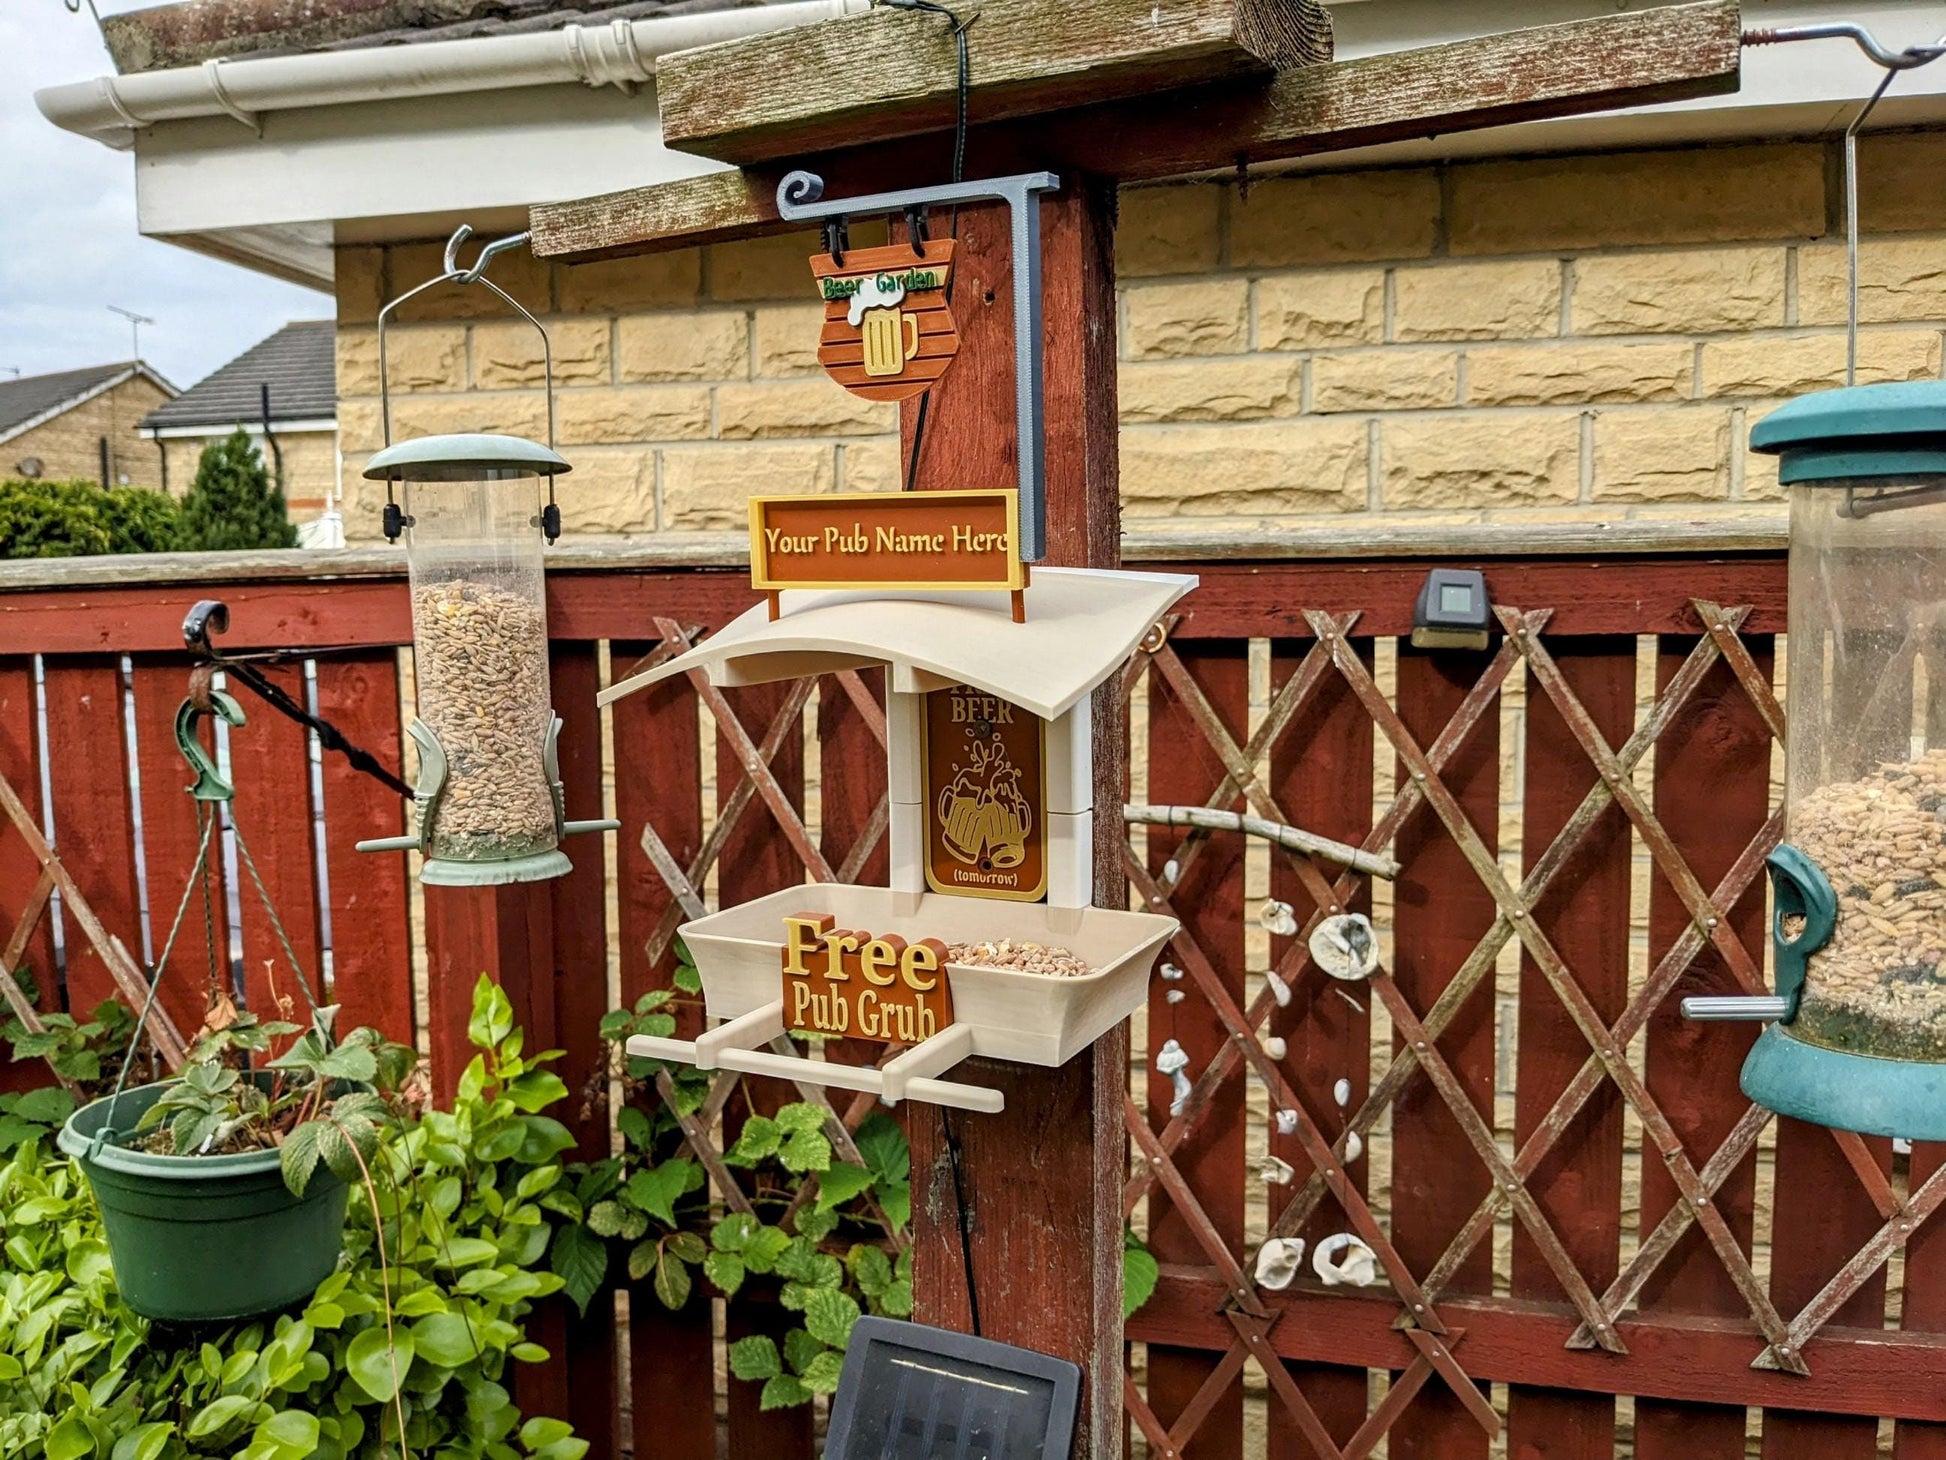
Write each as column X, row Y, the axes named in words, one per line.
column 800, row 199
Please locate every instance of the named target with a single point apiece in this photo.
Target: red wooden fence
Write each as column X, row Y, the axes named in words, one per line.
column 1526, row 1000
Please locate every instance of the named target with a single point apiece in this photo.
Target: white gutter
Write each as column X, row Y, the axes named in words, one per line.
column 622, row 53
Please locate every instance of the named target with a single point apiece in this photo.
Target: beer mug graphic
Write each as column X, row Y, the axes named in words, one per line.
column 891, row 338
column 982, row 816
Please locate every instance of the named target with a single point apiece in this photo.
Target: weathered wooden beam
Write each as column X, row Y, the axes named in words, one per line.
column 892, row 73
column 1669, row 53
column 205, row 30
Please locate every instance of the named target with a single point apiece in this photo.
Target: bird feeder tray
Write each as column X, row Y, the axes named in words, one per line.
column 991, row 784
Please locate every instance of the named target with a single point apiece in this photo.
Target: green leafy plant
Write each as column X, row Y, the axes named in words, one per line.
column 68, row 519
column 1139, row 1273
column 823, row 1234
column 405, row 1351
column 320, row 1100
column 33, row 1115
column 86, row 1053
column 233, row 504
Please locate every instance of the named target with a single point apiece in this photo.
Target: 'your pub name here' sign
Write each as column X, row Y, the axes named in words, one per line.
column 859, row 985
column 956, row 541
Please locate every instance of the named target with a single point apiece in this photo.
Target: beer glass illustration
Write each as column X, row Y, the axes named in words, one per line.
column 891, row 338
column 984, row 819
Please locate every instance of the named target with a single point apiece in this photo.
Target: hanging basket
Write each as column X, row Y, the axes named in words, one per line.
column 197, row 1239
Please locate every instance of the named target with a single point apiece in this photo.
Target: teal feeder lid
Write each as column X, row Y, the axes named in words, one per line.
column 1859, row 431
column 464, row 458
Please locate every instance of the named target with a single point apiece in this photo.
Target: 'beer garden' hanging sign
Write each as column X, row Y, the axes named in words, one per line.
column 888, row 329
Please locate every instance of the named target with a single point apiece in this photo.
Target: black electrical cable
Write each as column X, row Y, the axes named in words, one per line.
column 959, row 175
column 965, row 1218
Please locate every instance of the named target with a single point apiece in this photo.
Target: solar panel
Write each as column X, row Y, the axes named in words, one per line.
column 910, row 1392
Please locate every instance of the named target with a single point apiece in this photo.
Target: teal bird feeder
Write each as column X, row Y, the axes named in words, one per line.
column 475, row 512
column 1857, row 1038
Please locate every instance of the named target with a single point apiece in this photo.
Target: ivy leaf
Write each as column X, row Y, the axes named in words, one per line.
column 764, row 1247
column 642, row 1258
column 800, row 1348
column 755, row 1357
column 688, row 1246
column 1139, row 1274
column 657, row 1189
column 814, row 1225
column 299, row 1155
column 840, row 1184
column 376, row 1365
column 883, row 1146
column 49, row 1105
column 635, row 1126
column 871, row 1267
column 896, row 1301
column 687, row 979
column 759, row 1139
column 895, row 1198
column 725, row 1272
column 733, row 1233
column 605, row 1218
column 580, row 1259
column 822, row 1374
column 805, row 1150
column 672, row 1281
column 783, row 1392
column 829, row 1315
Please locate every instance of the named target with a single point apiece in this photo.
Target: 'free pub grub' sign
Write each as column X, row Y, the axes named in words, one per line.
column 911, row 540
column 858, row 985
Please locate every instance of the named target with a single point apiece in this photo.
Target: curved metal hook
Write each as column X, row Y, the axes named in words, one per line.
column 487, row 253
column 209, row 784
column 798, row 190
column 1879, row 53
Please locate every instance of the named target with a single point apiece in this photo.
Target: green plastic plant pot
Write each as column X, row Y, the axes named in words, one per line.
column 198, row 1239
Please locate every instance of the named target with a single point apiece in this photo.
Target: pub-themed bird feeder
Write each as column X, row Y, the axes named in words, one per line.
column 1859, row 927
column 475, row 512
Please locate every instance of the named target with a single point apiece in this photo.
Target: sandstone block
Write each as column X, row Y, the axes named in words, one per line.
column 705, row 488
column 1319, row 308
column 507, row 356
column 1298, row 466
column 522, row 275
column 1210, row 390
column 514, row 414
column 634, row 413
column 1784, row 365
column 748, row 412
column 706, row 345
column 1493, row 459
column 612, row 490
column 1384, row 380
column 1210, row 317
column 1335, row 217
column 360, row 430
column 357, row 361
column 1676, row 455
column 1678, row 291
column 1173, row 229
column 358, row 276
column 1888, row 165
column 420, row 357
column 778, row 267
column 1711, row 195
column 1900, row 281
column 671, row 280
column 786, row 339
column 1577, row 372
column 870, row 466
column 1484, row 301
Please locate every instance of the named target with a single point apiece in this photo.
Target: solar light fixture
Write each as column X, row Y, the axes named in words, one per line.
column 1452, row 611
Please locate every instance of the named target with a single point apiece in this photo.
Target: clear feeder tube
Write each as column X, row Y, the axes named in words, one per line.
column 479, row 620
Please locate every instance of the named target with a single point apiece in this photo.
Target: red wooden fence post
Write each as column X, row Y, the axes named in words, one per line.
column 1043, row 1179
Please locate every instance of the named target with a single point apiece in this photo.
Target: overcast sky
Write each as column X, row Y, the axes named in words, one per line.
column 70, row 248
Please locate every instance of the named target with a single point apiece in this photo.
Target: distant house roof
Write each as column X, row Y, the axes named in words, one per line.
column 27, row 402
column 194, row 31
column 298, row 363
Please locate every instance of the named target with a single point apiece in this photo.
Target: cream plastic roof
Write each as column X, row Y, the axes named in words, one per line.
column 1082, row 624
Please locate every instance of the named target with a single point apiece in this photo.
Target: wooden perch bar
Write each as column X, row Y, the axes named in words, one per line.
column 1295, row 838
column 1669, row 53
column 893, row 73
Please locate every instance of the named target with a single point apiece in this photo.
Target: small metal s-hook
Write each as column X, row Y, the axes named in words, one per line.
column 487, row 253
column 209, row 784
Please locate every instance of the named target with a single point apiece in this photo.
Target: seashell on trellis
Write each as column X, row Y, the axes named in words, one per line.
column 1279, row 990
column 1276, row 1171
column 1172, row 1060
column 1277, row 918
column 1278, row 1261
column 1342, row 1259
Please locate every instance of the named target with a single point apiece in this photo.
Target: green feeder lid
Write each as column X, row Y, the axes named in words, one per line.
column 1860, row 431
column 464, row 458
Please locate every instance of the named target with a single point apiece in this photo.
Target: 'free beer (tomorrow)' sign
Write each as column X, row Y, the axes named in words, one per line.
column 858, row 985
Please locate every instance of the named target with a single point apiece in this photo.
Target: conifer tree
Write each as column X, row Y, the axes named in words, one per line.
column 233, row 504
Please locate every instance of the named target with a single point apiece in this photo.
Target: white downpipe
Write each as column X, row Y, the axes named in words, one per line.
column 622, row 53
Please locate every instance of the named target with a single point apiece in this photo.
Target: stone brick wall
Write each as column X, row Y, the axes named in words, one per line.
column 310, row 467
column 1553, row 339
column 69, row 446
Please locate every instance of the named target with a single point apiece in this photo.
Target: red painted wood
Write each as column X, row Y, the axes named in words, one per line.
column 1717, row 743
column 1610, row 595
column 1441, row 911
column 19, row 868
column 94, row 831
column 1924, row 1304
column 1693, row 1364
column 672, row 1378
column 1321, row 775
column 1585, row 915
column 505, row 933
column 1184, row 770
column 852, row 772
column 269, row 760
column 170, row 832
column 579, row 969
column 371, row 935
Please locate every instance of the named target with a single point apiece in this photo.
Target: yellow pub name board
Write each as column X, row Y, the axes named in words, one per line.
column 913, row 540
column 860, row 986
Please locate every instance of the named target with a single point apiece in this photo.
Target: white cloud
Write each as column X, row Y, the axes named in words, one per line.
column 71, row 247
